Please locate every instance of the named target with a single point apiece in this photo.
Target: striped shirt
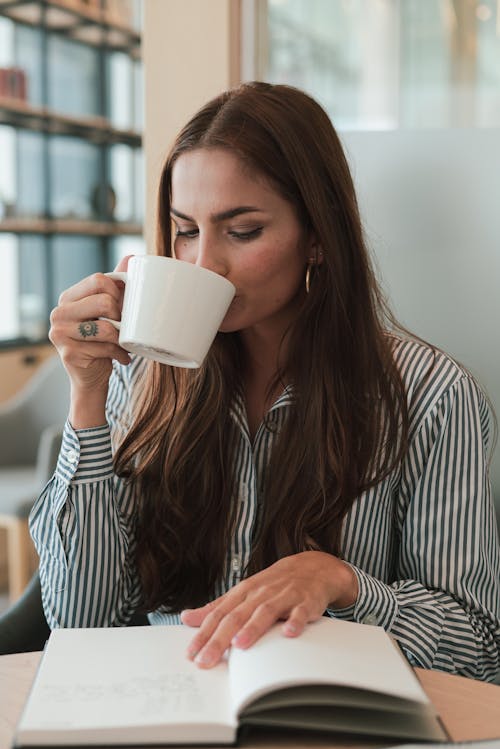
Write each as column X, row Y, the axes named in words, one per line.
column 423, row 542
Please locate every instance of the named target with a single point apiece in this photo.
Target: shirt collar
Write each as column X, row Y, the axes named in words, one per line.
column 238, row 409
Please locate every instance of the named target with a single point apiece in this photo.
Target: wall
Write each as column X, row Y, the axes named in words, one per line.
column 190, row 53
column 429, row 201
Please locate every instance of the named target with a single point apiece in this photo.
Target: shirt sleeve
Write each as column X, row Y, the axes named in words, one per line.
column 444, row 604
column 83, row 526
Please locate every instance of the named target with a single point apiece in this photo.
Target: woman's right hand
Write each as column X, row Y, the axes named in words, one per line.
column 87, row 344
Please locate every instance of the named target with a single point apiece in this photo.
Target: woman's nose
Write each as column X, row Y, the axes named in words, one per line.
column 211, row 256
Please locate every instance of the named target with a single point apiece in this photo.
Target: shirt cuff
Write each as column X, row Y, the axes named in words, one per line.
column 376, row 603
column 85, row 455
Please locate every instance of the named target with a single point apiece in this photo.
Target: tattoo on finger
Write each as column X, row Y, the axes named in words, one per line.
column 87, row 329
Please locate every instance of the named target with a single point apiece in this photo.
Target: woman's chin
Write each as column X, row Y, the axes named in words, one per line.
column 232, row 322
column 229, row 327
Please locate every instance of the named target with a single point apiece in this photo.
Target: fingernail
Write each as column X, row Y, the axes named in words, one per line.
column 205, row 658
column 290, row 629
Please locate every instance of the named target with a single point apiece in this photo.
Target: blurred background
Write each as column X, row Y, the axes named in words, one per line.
column 92, row 93
column 71, row 114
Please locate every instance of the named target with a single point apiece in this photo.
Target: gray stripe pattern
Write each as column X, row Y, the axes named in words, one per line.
column 423, row 543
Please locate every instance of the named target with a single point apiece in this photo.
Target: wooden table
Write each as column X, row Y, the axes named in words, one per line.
column 470, row 710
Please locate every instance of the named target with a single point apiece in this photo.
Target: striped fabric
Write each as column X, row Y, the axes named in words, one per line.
column 423, row 543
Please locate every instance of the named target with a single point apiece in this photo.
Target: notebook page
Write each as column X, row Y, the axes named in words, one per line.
column 328, row 651
column 124, row 677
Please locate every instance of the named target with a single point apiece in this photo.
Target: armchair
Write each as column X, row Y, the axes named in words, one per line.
column 31, row 425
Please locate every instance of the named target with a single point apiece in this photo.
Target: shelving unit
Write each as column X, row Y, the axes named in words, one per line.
column 68, row 226
column 96, row 129
column 83, row 21
column 76, row 165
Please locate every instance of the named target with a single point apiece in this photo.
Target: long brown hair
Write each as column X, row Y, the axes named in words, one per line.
column 347, row 428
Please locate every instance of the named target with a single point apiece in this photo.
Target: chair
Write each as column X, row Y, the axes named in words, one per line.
column 31, row 425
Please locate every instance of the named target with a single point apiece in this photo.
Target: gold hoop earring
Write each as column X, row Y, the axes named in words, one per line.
column 308, row 277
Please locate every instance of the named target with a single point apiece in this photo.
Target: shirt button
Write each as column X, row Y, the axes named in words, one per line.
column 236, row 563
column 72, row 456
column 370, row 619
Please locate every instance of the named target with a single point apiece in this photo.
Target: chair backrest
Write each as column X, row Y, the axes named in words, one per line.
column 48, row 453
column 43, row 402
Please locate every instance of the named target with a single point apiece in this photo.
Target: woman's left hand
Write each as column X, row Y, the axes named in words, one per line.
column 296, row 589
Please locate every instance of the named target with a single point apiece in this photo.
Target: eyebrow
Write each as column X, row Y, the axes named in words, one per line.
column 223, row 215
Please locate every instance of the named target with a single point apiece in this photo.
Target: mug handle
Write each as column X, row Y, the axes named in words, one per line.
column 115, row 276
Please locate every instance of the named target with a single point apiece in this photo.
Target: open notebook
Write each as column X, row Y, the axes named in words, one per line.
column 135, row 686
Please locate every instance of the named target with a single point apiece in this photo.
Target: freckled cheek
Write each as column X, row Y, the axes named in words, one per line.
column 250, row 273
column 183, row 251
column 273, row 259
column 274, row 269
column 285, row 273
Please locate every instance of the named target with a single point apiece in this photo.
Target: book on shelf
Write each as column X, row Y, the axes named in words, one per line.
column 135, row 685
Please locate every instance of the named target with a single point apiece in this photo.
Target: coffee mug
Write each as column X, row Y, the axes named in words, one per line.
column 172, row 310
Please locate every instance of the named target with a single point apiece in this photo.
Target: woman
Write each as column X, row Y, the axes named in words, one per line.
column 316, row 463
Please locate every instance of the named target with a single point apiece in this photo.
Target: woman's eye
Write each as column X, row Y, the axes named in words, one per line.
column 246, row 235
column 189, row 233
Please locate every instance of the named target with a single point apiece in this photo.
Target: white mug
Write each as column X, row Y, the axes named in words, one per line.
column 172, row 310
